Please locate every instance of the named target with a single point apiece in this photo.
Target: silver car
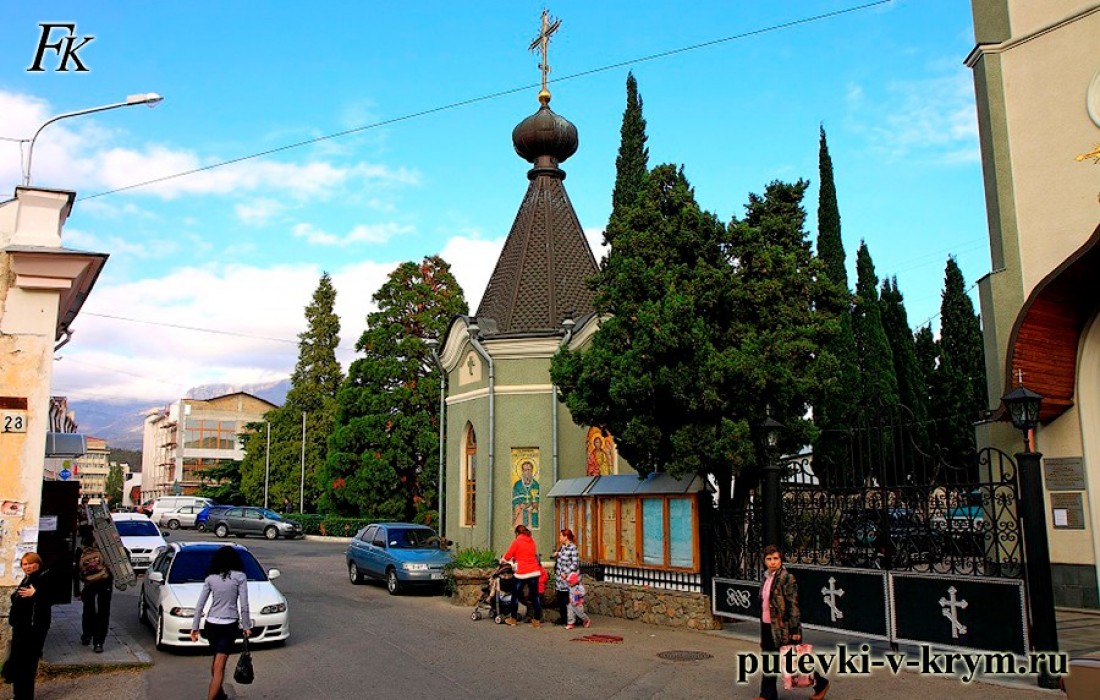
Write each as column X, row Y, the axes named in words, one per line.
column 184, row 517
column 250, row 520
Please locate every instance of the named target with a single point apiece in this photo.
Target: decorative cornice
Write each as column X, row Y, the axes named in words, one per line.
column 514, row 390
column 1001, row 47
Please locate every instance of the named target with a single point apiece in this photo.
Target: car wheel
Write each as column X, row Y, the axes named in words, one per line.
column 354, row 574
column 143, row 608
column 392, row 584
column 271, row 533
column 173, row 524
column 160, row 631
column 221, row 530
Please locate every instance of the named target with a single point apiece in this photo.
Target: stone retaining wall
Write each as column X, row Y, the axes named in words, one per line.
column 656, row 606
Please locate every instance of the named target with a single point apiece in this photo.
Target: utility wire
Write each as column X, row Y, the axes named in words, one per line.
column 191, row 328
column 502, row 93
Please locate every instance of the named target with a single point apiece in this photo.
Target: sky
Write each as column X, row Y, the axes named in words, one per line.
column 210, row 272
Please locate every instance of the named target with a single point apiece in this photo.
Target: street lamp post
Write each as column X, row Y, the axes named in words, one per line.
column 773, row 501
column 267, row 462
column 1023, row 408
column 147, row 98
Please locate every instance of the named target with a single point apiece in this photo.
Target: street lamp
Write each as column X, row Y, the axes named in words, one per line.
column 771, row 496
column 145, row 98
column 1023, row 407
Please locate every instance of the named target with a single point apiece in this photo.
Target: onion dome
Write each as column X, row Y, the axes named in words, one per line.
column 545, row 138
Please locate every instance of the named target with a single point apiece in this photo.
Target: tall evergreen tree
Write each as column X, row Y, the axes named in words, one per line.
column 837, row 398
column 878, row 383
column 632, row 163
column 961, row 382
column 113, row 487
column 708, row 326
column 912, row 385
column 313, row 387
column 383, row 457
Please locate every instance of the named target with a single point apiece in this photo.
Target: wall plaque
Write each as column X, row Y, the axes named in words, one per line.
column 1067, row 511
column 1064, row 473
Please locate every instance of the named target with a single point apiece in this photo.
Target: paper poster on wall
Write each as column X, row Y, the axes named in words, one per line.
column 29, row 535
column 525, row 487
column 47, row 523
column 14, row 508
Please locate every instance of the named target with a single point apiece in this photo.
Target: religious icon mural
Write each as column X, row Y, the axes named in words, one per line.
column 601, row 453
column 525, row 487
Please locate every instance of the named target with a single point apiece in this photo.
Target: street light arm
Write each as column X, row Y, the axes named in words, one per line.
column 150, row 98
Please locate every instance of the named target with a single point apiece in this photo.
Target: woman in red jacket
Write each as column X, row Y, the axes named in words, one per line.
column 528, row 569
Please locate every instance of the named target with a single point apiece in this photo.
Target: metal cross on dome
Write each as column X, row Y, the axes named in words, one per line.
column 541, row 43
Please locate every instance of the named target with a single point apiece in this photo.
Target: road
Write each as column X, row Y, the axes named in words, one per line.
column 359, row 642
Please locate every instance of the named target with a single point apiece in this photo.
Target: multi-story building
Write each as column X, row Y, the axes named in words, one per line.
column 92, row 468
column 186, row 439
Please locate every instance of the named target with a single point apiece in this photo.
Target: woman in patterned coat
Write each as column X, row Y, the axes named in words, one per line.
column 780, row 621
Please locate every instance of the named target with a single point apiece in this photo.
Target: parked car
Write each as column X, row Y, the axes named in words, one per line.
column 402, row 554
column 874, row 538
column 171, row 590
column 141, row 538
column 203, row 516
column 169, row 504
column 184, row 517
column 250, row 520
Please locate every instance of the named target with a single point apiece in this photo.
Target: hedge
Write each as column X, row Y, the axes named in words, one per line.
column 332, row 525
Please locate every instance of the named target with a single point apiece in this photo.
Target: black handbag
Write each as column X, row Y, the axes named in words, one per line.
column 244, row 673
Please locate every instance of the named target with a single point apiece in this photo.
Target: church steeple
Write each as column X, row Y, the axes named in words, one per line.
column 543, row 271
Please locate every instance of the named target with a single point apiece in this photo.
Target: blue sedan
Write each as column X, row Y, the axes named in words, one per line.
column 401, row 554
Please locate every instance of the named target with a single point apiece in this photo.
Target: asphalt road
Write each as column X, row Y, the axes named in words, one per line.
column 359, row 642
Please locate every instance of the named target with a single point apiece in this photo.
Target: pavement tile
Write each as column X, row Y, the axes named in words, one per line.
column 64, row 653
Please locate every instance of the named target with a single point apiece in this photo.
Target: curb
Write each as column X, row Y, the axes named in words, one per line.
column 52, row 670
column 325, row 538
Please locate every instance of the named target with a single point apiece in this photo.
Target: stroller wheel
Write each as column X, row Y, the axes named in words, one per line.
column 499, row 620
column 475, row 615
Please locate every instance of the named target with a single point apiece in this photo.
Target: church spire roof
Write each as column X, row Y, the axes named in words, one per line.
column 542, row 274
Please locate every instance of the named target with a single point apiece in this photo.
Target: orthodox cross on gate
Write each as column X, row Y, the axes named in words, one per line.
column 951, row 607
column 1019, row 376
column 831, row 593
column 541, row 44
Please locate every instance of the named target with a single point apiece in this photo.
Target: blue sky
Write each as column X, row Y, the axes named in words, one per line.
column 239, row 249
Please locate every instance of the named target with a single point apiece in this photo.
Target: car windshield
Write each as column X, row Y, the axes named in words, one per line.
column 413, row 538
column 272, row 515
column 136, row 528
column 192, row 565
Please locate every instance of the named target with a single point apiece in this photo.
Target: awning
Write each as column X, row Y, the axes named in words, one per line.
column 65, row 445
column 571, row 487
column 628, row 484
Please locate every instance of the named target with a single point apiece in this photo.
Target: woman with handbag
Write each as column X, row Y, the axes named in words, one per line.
column 566, row 561
column 227, row 588
column 30, row 618
column 780, row 622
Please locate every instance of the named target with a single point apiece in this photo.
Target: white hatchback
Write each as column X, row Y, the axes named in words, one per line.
column 141, row 538
column 171, row 590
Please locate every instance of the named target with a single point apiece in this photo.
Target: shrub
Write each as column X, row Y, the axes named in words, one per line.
column 469, row 558
column 331, row 525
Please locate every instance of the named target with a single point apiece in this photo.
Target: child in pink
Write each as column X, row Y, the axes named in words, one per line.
column 575, row 610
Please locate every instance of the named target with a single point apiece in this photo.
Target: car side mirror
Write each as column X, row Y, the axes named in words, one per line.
column 155, row 577
column 165, row 533
column 274, row 574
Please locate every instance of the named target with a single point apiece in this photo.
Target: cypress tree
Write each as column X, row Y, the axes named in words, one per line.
column 962, row 382
column 878, row 382
column 632, row 163
column 837, row 399
column 912, row 386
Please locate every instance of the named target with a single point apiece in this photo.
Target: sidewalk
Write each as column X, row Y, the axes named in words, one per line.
column 64, row 653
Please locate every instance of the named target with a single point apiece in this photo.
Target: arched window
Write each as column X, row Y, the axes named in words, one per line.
column 469, row 479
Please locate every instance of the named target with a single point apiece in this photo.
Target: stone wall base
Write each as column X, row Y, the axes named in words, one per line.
column 655, row 606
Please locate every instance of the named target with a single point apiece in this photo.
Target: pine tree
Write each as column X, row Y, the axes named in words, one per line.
column 878, row 383
column 313, row 387
column 961, row 381
column 383, row 456
column 912, row 385
column 837, row 398
column 632, row 163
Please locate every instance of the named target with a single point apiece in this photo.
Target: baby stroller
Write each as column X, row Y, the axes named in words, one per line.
column 496, row 596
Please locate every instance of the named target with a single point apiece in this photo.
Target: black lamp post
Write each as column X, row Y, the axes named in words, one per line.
column 1023, row 408
column 770, row 494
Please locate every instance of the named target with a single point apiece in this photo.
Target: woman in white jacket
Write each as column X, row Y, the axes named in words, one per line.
column 227, row 588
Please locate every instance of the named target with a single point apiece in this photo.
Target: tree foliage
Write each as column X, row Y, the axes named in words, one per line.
column 383, row 454
column 878, row 383
column 632, row 163
column 706, row 327
column 222, row 482
column 114, row 484
column 313, row 387
column 912, row 383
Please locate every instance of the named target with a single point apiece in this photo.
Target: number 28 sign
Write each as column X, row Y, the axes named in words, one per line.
column 13, row 421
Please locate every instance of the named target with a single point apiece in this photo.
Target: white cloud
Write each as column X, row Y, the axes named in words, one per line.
column 362, row 233
column 595, row 242
column 258, row 211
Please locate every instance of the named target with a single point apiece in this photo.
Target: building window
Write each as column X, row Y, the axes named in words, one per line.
column 195, row 468
column 211, row 435
column 469, row 479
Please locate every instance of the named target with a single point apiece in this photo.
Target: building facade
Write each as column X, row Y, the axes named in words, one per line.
column 91, row 469
column 184, row 440
column 1037, row 81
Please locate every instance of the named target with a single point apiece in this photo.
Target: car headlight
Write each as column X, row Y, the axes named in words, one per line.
column 182, row 612
column 272, row 609
column 414, row 567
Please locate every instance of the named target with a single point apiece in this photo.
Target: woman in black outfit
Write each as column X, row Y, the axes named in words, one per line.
column 30, row 622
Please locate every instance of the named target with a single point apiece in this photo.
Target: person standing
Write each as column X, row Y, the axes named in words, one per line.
column 30, row 623
column 566, row 561
column 528, row 569
column 780, row 620
column 95, row 593
column 576, row 601
column 286, row 505
column 227, row 588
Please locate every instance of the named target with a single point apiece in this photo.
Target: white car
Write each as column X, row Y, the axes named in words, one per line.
column 184, row 517
column 141, row 538
column 172, row 586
